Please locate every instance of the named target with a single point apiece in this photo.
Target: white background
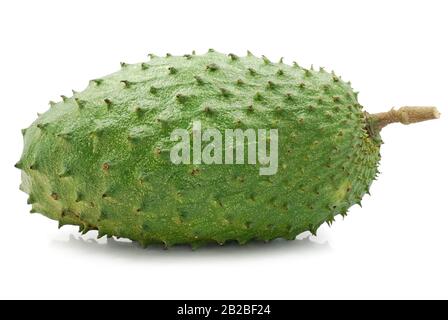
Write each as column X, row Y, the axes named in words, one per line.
column 394, row 52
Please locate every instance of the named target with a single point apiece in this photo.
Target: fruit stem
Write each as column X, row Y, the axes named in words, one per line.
column 404, row 115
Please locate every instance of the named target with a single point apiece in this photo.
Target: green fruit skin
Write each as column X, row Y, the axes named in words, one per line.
column 100, row 159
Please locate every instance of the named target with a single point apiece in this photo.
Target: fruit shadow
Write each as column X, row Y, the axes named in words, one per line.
column 304, row 243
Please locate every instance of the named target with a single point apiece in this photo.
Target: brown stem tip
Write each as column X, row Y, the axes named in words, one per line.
column 404, row 115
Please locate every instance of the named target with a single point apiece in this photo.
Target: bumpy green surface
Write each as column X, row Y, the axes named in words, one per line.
column 100, row 159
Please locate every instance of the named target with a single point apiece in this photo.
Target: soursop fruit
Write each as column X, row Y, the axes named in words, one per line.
column 102, row 158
